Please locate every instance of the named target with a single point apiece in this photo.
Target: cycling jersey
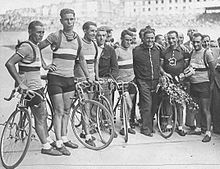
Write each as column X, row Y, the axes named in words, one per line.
column 64, row 57
column 30, row 72
column 89, row 50
column 197, row 62
column 125, row 63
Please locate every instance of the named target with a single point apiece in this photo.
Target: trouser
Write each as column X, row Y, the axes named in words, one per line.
column 215, row 108
column 148, row 102
column 190, row 114
column 133, row 113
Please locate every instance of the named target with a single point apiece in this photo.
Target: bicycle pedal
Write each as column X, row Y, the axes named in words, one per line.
column 33, row 137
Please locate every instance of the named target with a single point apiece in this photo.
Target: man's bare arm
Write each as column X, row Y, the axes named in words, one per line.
column 10, row 65
column 83, row 64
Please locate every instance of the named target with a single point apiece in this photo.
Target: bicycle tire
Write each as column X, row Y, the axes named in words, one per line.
column 94, row 124
column 18, row 138
column 72, row 109
column 50, row 112
column 104, row 101
column 162, row 119
column 124, row 118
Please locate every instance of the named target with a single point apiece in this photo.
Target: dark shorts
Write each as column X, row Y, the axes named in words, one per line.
column 36, row 100
column 200, row 90
column 132, row 89
column 59, row 84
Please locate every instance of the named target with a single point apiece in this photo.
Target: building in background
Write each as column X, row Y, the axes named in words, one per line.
column 133, row 8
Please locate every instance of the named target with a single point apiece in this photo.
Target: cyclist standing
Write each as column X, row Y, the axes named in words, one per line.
column 126, row 72
column 28, row 58
column 202, row 61
column 66, row 49
column 174, row 60
column 90, row 51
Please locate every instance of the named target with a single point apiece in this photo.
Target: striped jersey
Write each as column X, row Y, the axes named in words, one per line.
column 64, row 57
column 89, row 52
column 125, row 63
column 30, row 72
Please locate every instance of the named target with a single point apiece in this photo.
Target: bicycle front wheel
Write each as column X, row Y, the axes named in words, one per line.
column 124, row 118
column 15, row 139
column 50, row 112
column 92, row 118
column 167, row 118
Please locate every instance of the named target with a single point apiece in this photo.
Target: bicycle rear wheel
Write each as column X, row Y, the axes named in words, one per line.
column 97, row 120
column 124, row 118
column 166, row 118
column 15, row 139
column 50, row 114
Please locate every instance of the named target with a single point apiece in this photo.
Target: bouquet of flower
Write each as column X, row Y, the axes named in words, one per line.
column 176, row 93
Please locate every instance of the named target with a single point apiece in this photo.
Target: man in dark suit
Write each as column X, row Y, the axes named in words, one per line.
column 215, row 100
column 107, row 63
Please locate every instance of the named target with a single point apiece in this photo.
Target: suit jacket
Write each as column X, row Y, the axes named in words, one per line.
column 216, row 55
column 107, row 62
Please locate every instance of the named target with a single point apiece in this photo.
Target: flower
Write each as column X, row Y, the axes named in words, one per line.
column 176, row 92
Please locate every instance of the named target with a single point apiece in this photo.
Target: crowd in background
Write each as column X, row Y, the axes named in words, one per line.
column 16, row 22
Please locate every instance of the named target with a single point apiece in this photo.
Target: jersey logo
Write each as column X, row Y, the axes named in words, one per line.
column 172, row 61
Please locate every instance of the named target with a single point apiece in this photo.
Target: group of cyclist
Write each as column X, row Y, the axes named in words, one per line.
column 93, row 57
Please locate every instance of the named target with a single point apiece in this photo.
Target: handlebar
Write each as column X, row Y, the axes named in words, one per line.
column 12, row 95
column 30, row 93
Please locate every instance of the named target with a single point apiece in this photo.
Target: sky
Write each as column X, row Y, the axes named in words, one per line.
column 16, row 4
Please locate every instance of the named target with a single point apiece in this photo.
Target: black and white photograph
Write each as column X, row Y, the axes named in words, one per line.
column 110, row 84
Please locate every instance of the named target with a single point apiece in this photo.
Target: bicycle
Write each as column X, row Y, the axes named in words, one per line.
column 166, row 121
column 121, row 103
column 49, row 106
column 98, row 88
column 16, row 135
column 92, row 116
column 167, row 110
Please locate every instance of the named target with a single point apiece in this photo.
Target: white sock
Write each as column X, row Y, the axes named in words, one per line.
column 198, row 129
column 208, row 133
column 65, row 139
column 46, row 146
column 59, row 143
column 180, row 127
column 88, row 136
column 49, row 139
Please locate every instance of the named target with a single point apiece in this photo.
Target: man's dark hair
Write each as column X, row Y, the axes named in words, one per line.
column 158, row 36
column 195, row 35
column 101, row 28
column 132, row 29
column 171, row 32
column 204, row 36
column 148, row 31
column 33, row 24
column 88, row 24
column 126, row 32
column 218, row 39
column 66, row 11
column 140, row 32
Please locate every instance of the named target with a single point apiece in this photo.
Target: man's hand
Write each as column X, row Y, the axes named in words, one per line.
column 168, row 75
column 181, row 76
column 89, row 80
column 51, row 67
column 23, row 86
column 189, row 71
